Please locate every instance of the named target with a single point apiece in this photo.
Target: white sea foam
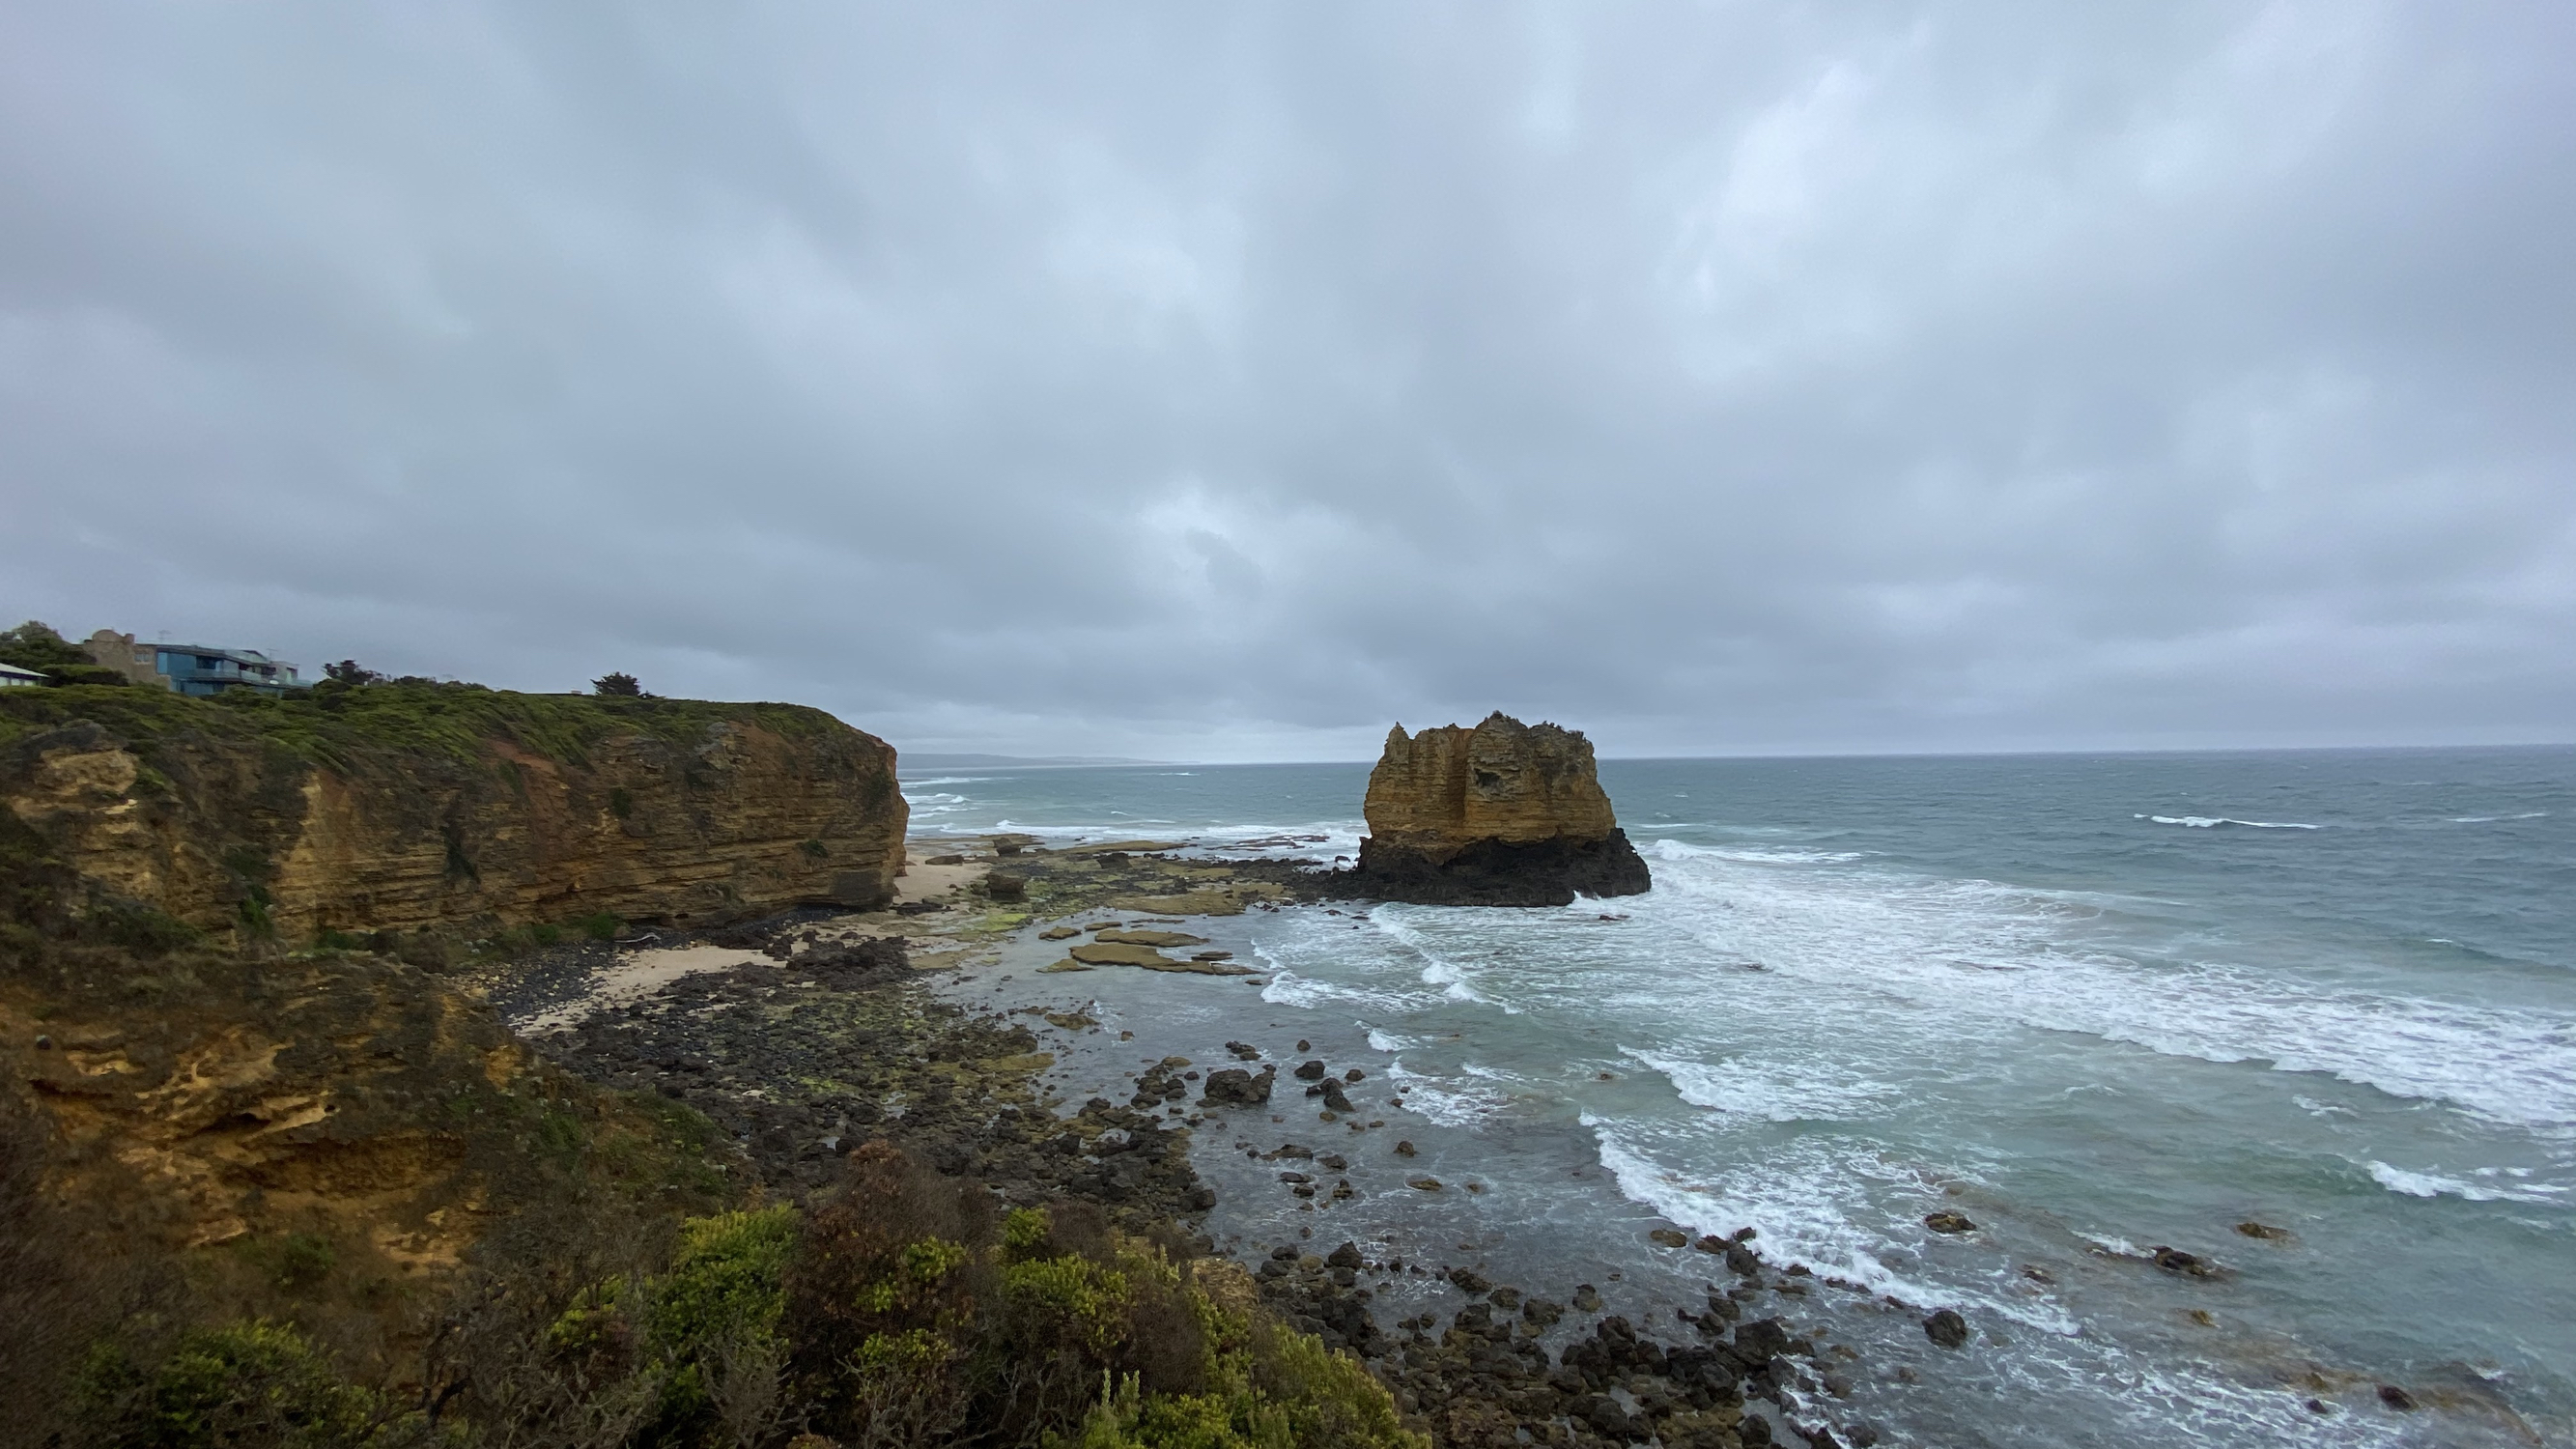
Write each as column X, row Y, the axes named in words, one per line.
column 2212, row 822
column 1381, row 1042
column 2434, row 1184
column 1774, row 1091
column 1805, row 1202
column 1971, row 949
column 1446, row 1101
column 1287, row 988
column 2493, row 819
column 947, row 780
column 1449, row 976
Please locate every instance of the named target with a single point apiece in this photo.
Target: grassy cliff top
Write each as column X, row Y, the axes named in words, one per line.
column 330, row 722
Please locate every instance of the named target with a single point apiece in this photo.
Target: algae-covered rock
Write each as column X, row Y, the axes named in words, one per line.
column 1151, row 938
column 1094, row 953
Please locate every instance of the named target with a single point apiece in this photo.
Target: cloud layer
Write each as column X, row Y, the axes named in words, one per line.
column 1229, row 381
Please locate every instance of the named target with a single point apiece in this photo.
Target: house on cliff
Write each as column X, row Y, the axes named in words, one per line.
column 11, row 674
column 197, row 669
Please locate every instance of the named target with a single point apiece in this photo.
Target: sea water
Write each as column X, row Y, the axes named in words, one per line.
column 2097, row 1004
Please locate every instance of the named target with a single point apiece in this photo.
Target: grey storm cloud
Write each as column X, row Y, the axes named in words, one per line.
column 1227, row 381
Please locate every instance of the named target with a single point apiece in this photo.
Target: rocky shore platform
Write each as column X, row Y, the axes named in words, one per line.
column 938, row 1025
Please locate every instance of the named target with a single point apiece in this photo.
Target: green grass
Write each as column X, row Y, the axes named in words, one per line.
column 336, row 726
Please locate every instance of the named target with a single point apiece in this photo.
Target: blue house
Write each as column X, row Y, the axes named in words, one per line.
column 199, row 669
column 204, row 669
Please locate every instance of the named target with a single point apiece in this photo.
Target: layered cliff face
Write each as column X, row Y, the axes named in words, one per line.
column 402, row 807
column 1502, row 814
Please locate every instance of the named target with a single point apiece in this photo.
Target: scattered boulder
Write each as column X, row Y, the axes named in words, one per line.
column 1235, row 1087
column 951, row 859
column 1504, row 814
column 2264, row 1231
column 1002, row 887
column 2397, row 1398
column 1946, row 1328
column 1948, row 1222
column 1423, row 1184
column 1310, row 1071
column 1058, row 933
column 878, row 961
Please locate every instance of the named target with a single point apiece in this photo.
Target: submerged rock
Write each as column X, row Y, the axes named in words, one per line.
column 1504, row 814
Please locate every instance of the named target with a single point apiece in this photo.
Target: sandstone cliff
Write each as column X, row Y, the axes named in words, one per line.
column 407, row 806
column 1502, row 814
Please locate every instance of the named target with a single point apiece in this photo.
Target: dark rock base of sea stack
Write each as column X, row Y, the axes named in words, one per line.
column 1500, row 873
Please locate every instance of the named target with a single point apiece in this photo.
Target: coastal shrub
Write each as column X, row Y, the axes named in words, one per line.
column 146, row 930
column 241, row 1384
column 1125, row 1418
column 600, row 927
column 713, row 1321
column 256, row 922
column 617, row 684
column 1025, row 1233
column 916, row 1315
column 291, row 1262
column 1330, row 1400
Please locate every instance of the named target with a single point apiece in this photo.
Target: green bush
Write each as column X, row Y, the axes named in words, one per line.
column 143, row 929
column 255, row 1383
column 1026, row 1233
column 724, row 1283
column 1069, row 1300
column 600, row 927
column 292, row 1262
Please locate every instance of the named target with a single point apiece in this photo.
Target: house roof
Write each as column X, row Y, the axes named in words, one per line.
column 12, row 671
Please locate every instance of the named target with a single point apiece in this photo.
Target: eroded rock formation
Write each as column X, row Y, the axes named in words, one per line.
column 1504, row 814
column 467, row 809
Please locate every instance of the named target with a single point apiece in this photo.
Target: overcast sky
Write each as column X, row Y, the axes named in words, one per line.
column 1227, row 381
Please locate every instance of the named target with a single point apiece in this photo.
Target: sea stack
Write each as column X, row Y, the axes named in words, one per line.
column 1505, row 814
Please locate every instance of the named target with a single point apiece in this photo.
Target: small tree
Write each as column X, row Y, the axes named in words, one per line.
column 349, row 671
column 621, row 685
column 35, row 645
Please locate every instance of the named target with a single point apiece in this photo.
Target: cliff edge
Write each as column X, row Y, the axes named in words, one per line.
column 407, row 806
column 1504, row 814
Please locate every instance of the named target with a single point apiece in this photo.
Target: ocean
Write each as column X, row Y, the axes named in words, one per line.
column 2099, row 1005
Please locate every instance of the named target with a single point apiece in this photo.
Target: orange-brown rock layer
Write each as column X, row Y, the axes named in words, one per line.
column 1501, row 814
column 515, row 809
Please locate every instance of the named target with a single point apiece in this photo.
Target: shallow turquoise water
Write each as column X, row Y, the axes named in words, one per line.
column 2097, row 1003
